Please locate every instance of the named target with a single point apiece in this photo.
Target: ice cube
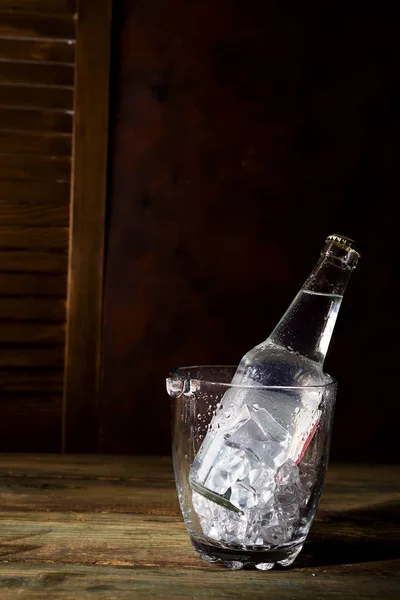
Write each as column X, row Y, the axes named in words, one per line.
column 219, row 480
column 243, row 496
column 280, row 534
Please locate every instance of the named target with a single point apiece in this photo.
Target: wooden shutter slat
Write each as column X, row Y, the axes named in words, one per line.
column 31, row 96
column 51, row 6
column 32, row 333
column 36, row 73
column 36, row 356
column 36, row 25
column 25, row 142
column 51, row 192
column 32, row 285
column 37, row 50
column 35, row 120
column 30, row 166
column 34, row 214
column 33, row 237
column 26, row 380
column 35, row 261
column 30, row 309
column 31, row 422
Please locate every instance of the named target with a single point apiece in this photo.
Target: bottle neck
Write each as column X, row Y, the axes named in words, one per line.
column 307, row 325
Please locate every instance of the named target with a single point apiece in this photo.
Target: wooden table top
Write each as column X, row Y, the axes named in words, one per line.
column 108, row 527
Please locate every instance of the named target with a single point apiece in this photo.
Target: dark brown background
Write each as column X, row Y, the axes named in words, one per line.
column 243, row 134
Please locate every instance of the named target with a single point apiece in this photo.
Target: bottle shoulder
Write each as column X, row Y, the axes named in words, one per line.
column 272, row 364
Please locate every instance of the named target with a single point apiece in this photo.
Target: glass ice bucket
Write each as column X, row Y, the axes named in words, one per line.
column 261, row 519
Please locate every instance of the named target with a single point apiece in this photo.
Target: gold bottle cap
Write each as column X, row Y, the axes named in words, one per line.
column 341, row 239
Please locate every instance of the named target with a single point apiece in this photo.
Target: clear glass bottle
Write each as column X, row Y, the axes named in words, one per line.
column 292, row 356
column 295, row 351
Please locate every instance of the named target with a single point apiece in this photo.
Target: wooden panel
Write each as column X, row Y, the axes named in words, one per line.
column 35, row 120
column 37, row 74
column 33, row 237
column 24, row 142
column 38, row 191
column 26, row 356
column 32, row 333
column 36, row 25
column 36, row 50
column 30, row 421
column 89, row 187
column 36, row 97
column 103, row 579
column 35, row 380
column 34, row 214
column 30, row 166
column 51, row 6
column 59, row 512
column 33, row 285
column 41, row 309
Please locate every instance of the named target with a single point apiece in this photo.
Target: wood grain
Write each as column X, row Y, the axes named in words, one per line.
column 31, row 380
column 21, row 237
column 32, row 333
column 51, row 6
column 20, row 410
column 34, row 261
column 96, row 466
column 31, row 309
column 29, row 356
column 36, row 73
column 31, row 96
column 77, row 527
column 36, row 25
column 21, row 284
column 88, row 222
column 51, row 192
column 35, row 120
column 123, row 582
column 30, row 142
column 37, row 50
column 34, row 214
column 32, row 166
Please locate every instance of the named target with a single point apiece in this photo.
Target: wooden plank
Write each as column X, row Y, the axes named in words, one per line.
column 30, row 421
column 82, row 515
column 34, row 214
column 31, row 333
column 32, row 166
column 94, row 466
column 102, row 581
column 37, row 50
column 83, row 496
column 35, row 261
column 92, row 488
column 36, row 73
column 31, row 96
column 33, row 237
column 41, row 309
column 22, row 284
column 30, row 142
column 35, row 120
column 31, row 380
column 353, row 487
column 36, row 25
column 30, row 356
column 51, row 6
column 88, row 213
column 52, row 192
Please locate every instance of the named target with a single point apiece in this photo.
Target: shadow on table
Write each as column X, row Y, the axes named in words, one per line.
column 355, row 536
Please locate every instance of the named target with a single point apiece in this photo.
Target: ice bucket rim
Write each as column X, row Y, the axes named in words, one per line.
column 190, row 382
